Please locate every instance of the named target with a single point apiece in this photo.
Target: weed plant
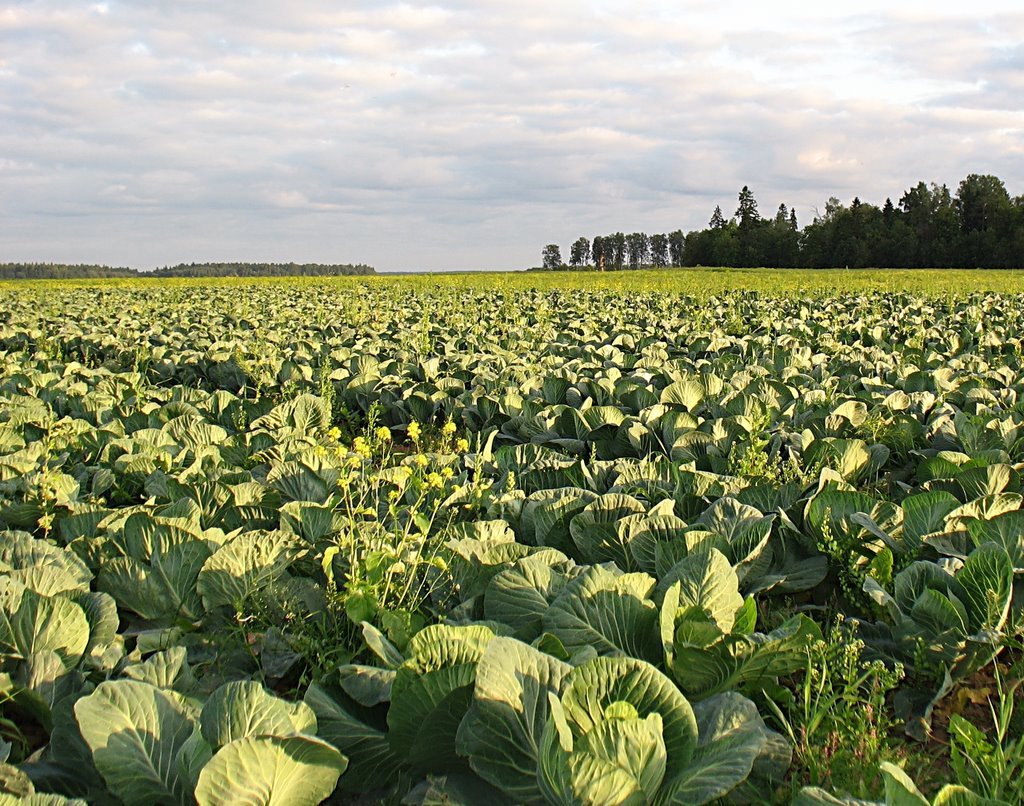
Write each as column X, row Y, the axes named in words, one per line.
column 991, row 763
column 839, row 722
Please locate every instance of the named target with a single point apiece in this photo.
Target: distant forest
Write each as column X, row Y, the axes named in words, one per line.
column 980, row 226
column 61, row 271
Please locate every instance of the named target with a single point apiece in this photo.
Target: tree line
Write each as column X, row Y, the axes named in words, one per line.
column 979, row 226
column 263, row 270
column 63, row 271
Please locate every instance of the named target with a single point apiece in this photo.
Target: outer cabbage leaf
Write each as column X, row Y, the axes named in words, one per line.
column 244, row 708
column 162, row 588
column 167, row 669
column 246, row 565
column 359, row 734
column 594, row 530
column 704, row 660
column 745, row 533
column 621, row 761
column 145, row 742
column 41, row 566
column 501, row 733
column 1005, row 531
column 599, row 683
column 547, row 515
column 610, row 612
column 271, row 771
column 32, row 624
column 521, row 595
column 707, row 580
column 431, row 693
column 732, row 736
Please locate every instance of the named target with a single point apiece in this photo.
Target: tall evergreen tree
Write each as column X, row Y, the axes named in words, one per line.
column 985, row 212
column 888, row 213
column 746, row 212
column 930, row 214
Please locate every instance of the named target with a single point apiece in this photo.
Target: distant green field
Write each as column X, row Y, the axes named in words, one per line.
column 700, row 282
column 697, row 282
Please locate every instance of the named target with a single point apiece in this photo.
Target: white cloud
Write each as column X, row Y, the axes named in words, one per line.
column 468, row 134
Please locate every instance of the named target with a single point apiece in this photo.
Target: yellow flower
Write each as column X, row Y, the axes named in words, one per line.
column 355, row 460
column 361, row 446
column 462, row 445
column 434, row 480
column 421, row 460
column 448, row 429
column 334, row 433
column 447, row 472
column 383, row 434
column 414, row 431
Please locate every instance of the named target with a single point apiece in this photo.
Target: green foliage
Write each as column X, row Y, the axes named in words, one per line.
column 509, row 540
column 900, row 790
column 981, row 226
column 148, row 745
column 839, row 721
column 707, row 630
column 991, row 762
column 55, row 271
column 613, row 730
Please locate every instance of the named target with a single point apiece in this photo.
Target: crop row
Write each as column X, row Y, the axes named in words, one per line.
column 531, row 546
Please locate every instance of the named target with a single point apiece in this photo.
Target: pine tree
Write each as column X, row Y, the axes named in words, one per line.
column 747, row 210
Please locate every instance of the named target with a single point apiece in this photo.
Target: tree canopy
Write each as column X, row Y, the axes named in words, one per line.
column 60, row 271
column 979, row 226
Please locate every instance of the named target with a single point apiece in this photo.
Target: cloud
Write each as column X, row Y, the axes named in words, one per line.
column 462, row 134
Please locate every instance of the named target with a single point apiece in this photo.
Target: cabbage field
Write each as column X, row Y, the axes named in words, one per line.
column 676, row 538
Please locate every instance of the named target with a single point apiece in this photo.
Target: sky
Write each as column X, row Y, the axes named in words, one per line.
column 467, row 134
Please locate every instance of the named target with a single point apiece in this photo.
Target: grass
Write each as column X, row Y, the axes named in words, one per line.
column 839, row 721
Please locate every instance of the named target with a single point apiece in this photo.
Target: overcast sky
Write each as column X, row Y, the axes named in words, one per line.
column 466, row 134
